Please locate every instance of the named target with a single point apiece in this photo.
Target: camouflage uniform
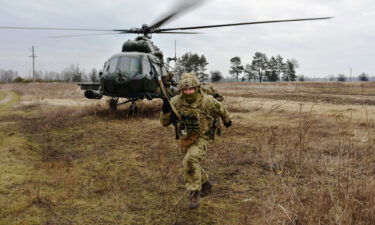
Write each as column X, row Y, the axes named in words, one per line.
column 196, row 129
column 210, row 90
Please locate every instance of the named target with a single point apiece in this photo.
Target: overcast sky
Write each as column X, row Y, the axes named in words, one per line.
column 321, row 47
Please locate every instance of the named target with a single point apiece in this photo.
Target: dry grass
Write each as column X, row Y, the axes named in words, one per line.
column 285, row 161
column 334, row 93
column 2, row 95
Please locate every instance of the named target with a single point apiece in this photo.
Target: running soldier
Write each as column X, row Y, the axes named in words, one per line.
column 198, row 113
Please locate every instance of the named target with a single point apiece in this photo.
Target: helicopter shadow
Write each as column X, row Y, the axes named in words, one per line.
column 141, row 111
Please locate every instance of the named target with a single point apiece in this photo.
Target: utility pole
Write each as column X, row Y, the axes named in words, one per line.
column 33, row 56
column 350, row 74
column 174, row 58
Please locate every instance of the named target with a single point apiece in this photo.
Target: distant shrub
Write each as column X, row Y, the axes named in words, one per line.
column 216, row 76
column 341, row 78
column 363, row 77
column 20, row 80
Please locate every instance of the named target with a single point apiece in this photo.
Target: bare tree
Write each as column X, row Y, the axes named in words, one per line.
column 93, row 75
column 7, row 76
column 72, row 74
column 51, row 76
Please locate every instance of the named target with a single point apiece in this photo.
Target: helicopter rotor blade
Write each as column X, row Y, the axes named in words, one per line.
column 82, row 35
column 52, row 28
column 181, row 8
column 176, row 32
column 246, row 23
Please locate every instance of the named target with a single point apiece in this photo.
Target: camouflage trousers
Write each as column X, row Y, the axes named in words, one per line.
column 194, row 174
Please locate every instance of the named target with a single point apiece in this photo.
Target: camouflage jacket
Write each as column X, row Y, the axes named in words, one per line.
column 210, row 90
column 206, row 109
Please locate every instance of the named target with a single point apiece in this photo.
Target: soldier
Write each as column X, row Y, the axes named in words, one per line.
column 198, row 112
column 210, row 90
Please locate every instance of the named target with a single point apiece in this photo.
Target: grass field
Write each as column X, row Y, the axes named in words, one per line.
column 298, row 153
column 2, row 95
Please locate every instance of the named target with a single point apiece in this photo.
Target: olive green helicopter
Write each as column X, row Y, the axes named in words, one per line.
column 139, row 71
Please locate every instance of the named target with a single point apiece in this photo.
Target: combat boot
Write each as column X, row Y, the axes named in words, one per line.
column 206, row 189
column 194, row 199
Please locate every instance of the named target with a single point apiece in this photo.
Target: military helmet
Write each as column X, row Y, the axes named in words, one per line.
column 188, row 80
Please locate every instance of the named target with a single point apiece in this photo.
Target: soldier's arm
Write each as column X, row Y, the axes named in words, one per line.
column 224, row 114
column 220, row 111
column 217, row 95
column 165, row 119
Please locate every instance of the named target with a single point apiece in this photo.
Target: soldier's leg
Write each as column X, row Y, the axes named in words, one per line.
column 204, row 176
column 194, row 174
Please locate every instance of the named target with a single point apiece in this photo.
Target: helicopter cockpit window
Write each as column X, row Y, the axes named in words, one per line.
column 129, row 64
column 146, row 68
column 105, row 67
column 111, row 66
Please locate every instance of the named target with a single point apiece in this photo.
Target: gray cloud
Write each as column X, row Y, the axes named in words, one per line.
column 321, row 47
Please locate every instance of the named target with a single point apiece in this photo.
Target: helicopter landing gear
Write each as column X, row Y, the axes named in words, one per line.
column 132, row 108
column 113, row 104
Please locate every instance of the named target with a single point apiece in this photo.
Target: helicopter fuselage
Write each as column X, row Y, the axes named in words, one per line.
column 131, row 74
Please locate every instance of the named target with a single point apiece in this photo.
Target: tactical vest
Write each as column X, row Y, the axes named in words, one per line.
column 196, row 121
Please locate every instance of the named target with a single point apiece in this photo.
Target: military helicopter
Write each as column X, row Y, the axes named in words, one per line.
column 139, row 70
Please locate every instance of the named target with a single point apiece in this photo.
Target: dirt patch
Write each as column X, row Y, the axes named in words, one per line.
column 7, row 98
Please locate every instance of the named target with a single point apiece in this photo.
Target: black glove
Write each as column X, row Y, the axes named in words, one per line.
column 228, row 124
column 166, row 108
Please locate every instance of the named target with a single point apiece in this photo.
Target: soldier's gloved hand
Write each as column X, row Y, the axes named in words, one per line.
column 228, row 124
column 166, row 108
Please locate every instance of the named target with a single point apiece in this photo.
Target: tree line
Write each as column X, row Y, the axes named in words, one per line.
column 262, row 68
column 343, row 78
column 73, row 73
column 193, row 62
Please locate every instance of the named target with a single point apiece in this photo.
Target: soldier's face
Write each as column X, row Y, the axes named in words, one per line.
column 188, row 91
